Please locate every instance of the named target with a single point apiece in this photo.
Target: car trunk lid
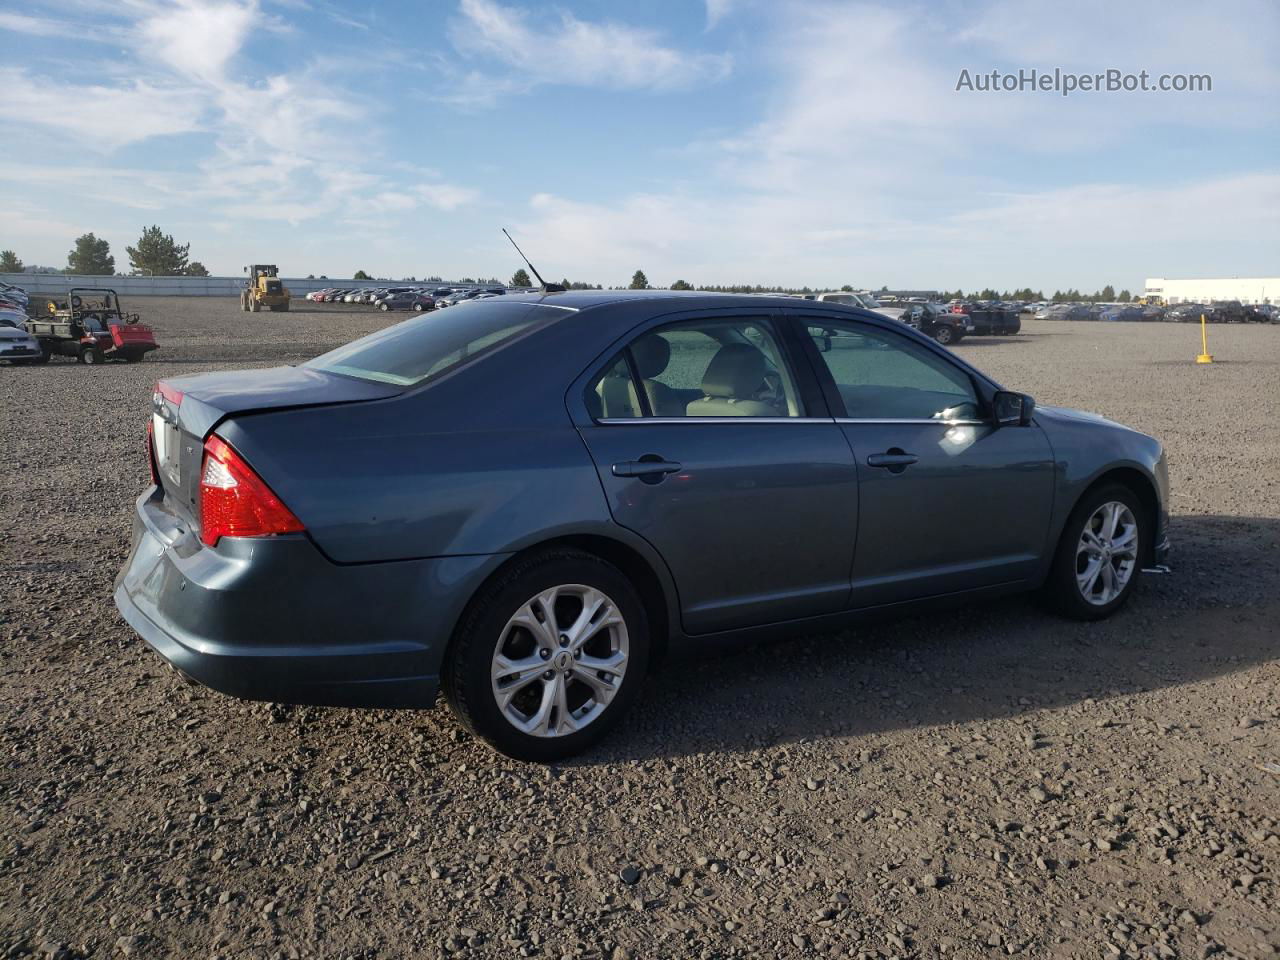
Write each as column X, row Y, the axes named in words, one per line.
column 185, row 410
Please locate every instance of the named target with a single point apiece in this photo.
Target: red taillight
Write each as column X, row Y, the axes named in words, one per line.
column 172, row 394
column 234, row 501
column 151, row 453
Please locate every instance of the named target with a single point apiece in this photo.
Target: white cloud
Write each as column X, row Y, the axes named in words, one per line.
column 33, row 26
column 717, row 10
column 99, row 116
column 575, row 51
column 446, row 196
column 198, row 38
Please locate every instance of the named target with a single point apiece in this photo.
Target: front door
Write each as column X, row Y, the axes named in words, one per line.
column 948, row 501
column 705, row 448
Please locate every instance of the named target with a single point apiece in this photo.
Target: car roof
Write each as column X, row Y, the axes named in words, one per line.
column 680, row 299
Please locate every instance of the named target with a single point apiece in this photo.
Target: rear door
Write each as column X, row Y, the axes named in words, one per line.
column 709, row 446
column 948, row 502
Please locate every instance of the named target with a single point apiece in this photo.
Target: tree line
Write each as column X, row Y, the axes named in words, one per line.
column 156, row 254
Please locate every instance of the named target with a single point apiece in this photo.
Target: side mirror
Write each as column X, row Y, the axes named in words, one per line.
column 1012, row 409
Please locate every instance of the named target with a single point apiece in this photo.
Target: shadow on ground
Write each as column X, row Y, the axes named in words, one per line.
column 1215, row 614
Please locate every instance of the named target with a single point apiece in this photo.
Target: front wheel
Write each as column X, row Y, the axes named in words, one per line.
column 1099, row 557
column 945, row 335
column 92, row 355
column 549, row 656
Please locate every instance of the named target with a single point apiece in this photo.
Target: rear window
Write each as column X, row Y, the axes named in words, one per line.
column 429, row 346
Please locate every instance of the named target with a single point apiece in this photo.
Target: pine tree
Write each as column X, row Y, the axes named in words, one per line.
column 639, row 281
column 91, row 257
column 158, row 254
column 9, row 262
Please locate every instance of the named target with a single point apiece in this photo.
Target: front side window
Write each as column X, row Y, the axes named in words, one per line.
column 881, row 376
column 699, row 368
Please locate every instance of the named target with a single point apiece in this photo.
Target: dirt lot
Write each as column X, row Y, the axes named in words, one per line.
column 980, row 784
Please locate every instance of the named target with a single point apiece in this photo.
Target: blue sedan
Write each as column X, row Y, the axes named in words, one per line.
column 525, row 501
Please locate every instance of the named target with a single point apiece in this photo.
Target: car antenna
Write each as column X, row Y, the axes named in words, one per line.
column 546, row 287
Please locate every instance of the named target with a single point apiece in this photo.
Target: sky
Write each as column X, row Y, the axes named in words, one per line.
column 719, row 141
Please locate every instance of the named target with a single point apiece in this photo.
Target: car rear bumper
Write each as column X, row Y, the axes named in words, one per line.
column 274, row 619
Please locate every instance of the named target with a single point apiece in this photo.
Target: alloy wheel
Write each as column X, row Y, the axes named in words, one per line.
column 559, row 661
column 1107, row 553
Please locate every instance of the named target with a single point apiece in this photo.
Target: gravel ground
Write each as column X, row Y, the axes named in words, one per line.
column 979, row 784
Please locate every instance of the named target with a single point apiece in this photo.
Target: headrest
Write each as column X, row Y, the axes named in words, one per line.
column 652, row 354
column 735, row 372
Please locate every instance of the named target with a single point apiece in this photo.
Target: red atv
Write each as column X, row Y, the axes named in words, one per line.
column 91, row 327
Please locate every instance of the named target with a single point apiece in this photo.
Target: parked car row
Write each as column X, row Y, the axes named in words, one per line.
column 13, row 301
column 419, row 298
column 1231, row 311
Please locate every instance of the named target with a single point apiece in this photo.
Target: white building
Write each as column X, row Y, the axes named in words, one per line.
column 1244, row 289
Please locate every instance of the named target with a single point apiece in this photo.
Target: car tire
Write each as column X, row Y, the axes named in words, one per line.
column 491, row 628
column 91, row 356
column 383, row 307
column 1064, row 590
column 945, row 335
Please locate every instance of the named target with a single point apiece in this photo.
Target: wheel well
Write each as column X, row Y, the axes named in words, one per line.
column 632, row 564
column 639, row 572
column 1143, row 489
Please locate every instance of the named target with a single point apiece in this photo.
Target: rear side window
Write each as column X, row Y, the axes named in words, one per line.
column 429, row 346
column 699, row 368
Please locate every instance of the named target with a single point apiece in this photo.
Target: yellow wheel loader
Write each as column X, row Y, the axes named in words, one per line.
column 264, row 289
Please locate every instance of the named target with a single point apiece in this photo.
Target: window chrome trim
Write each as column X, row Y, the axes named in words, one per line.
column 904, row 420
column 620, row 421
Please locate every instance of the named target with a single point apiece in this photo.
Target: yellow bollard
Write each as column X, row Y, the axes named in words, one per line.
column 1205, row 356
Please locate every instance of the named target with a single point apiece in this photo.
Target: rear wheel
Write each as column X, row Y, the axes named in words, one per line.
column 549, row 656
column 1099, row 558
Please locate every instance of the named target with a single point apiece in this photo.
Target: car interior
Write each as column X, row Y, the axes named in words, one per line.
column 699, row 370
